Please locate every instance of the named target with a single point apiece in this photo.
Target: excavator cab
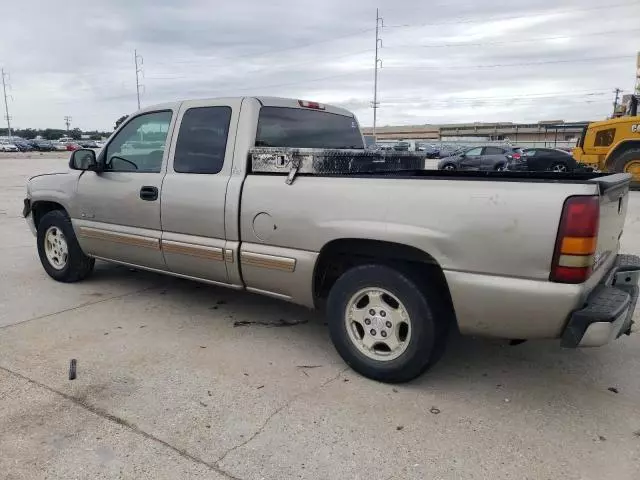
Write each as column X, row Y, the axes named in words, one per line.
column 613, row 145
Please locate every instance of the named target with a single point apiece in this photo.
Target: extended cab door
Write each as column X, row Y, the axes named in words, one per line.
column 194, row 189
column 119, row 207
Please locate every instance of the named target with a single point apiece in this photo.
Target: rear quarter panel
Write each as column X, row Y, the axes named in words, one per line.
column 497, row 228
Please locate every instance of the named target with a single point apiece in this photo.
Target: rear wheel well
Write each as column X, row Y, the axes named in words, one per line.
column 339, row 256
column 621, row 150
column 41, row 208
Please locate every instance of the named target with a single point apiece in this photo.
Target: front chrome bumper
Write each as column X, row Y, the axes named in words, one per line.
column 608, row 311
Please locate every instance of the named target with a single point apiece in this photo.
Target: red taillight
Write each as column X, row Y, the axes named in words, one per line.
column 306, row 104
column 517, row 157
column 577, row 238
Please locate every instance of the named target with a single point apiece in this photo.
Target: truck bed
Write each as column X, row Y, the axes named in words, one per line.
column 363, row 163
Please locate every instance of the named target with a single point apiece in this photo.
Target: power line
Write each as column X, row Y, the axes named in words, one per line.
column 138, row 58
column 509, row 42
column 310, row 60
column 378, row 63
column 521, row 64
column 617, row 91
column 200, row 60
column 67, row 122
column 6, row 102
column 529, row 15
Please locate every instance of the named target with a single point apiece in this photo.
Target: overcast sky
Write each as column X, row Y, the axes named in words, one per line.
column 442, row 62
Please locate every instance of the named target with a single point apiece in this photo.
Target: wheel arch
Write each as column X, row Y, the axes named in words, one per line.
column 40, row 208
column 337, row 256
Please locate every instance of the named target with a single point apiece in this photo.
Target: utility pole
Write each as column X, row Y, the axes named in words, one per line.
column 378, row 63
column 67, row 121
column 617, row 91
column 6, row 102
column 139, row 61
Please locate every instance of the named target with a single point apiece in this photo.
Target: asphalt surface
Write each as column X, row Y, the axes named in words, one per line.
column 168, row 388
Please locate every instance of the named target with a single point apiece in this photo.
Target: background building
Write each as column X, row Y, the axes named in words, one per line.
column 553, row 132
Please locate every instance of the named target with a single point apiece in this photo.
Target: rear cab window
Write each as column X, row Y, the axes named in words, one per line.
column 306, row 128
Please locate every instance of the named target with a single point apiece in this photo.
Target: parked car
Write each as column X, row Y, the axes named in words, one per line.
column 23, row 145
column 402, row 147
column 43, row 145
column 72, row 146
column 60, row 147
column 88, row 143
column 8, row 147
column 490, row 157
column 542, row 159
column 542, row 262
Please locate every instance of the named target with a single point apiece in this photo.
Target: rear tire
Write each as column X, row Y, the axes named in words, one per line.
column 450, row 167
column 59, row 250
column 375, row 306
column 500, row 167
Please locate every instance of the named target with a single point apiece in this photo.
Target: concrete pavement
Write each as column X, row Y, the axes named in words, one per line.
column 169, row 387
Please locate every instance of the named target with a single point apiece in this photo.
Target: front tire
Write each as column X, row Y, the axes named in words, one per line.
column 59, row 250
column 384, row 325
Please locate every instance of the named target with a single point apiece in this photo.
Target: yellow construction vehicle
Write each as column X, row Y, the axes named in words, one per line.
column 613, row 145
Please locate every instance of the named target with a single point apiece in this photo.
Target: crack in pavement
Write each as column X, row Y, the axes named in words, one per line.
column 121, row 421
column 276, row 412
column 77, row 307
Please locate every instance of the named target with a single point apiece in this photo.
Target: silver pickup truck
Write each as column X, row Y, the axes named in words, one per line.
column 278, row 197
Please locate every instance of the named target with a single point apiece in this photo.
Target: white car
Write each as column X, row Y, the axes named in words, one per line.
column 8, row 147
column 60, row 147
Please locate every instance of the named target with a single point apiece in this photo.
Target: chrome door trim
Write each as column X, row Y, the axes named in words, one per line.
column 272, row 262
column 116, row 237
column 210, row 253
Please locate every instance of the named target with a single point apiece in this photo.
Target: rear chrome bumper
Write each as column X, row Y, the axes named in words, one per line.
column 608, row 310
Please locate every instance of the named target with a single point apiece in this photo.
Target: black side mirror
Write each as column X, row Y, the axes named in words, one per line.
column 83, row 159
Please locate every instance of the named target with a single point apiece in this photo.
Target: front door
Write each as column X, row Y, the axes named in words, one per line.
column 195, row 188
column 119, row 207
column 472, row 159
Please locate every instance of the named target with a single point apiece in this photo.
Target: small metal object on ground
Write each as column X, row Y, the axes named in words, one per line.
column 72, row 369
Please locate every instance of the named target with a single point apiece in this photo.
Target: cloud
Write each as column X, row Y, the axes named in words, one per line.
column 442, row 63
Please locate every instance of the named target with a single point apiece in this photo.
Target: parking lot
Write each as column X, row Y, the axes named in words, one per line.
column 180, row 380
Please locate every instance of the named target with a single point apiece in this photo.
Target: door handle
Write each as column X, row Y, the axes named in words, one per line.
column 149, row 193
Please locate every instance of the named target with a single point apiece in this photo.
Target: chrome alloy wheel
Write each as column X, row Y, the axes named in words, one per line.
column 378, row 324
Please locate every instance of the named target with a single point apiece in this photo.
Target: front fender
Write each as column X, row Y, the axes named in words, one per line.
column 59, row 188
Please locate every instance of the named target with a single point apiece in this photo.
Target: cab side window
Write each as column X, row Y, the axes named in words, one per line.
column 493, row 151
column 202, row 140
column 474, row 152
column 139, row 146
column 604, row 138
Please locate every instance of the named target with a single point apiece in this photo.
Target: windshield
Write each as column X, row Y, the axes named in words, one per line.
column 301, row 128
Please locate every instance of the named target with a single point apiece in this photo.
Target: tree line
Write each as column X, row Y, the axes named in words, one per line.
column 53, row 133
column 56, row 133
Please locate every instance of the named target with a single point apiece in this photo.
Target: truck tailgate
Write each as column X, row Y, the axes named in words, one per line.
column 614, row 198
